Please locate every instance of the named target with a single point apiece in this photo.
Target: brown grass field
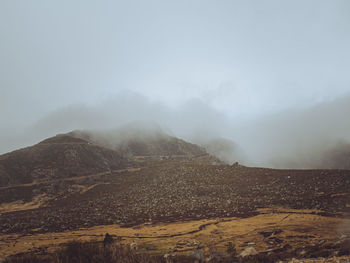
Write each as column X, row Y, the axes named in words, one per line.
column 294, row 228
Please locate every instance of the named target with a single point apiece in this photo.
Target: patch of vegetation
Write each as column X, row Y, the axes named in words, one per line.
column 110, row 251
column 89, row 252
column 231, row 250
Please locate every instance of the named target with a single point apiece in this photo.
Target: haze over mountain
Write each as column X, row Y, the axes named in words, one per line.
column 141, row 140
column 300, row 138
column 224, row 149
column 85, row 153
column 160, row 125
column 271, row 77
column 291, row 139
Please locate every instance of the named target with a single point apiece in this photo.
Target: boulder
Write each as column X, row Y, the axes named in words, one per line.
column 249, row 251
column 134, row 246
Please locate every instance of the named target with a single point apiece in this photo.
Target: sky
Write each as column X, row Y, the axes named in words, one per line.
column 191, row 65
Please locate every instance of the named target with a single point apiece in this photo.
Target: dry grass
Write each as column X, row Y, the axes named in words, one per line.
column 38, row 201
column 295, row 230
column 88, row 252
column 114, row 252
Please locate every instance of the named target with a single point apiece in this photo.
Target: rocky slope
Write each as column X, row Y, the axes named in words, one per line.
column 58, row 157
column 170, row 191
column 137, row 142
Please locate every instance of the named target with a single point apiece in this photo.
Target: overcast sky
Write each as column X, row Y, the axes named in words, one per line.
column 236, row 59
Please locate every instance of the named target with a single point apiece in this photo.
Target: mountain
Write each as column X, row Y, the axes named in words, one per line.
column 81, row 153
column 134, row 141
column 55, row 158
column 224, row 149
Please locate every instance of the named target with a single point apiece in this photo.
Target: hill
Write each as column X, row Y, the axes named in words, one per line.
column 56, row 158
column 172, row 206
column 136, row 142
column 69, row 186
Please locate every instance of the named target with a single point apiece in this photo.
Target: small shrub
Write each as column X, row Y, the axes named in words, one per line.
column 108, row 239
column 231, row 250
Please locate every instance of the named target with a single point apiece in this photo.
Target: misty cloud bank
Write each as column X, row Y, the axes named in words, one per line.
column 314, row 137
column 246, row 79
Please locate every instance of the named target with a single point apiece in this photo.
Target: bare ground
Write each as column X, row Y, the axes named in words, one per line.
column 175, row 207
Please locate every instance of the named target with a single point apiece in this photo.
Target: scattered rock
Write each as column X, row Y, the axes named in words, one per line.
column 343, row 236
column 249, row 251
column 134, row 246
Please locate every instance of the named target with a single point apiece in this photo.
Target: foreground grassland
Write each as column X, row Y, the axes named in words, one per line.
column 272, row 230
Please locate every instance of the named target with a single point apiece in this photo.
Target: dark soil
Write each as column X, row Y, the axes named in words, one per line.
column 169, row 191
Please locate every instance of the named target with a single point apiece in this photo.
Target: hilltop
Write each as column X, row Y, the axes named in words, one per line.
column 67, row 163
column 145, row 143
column 58, row 157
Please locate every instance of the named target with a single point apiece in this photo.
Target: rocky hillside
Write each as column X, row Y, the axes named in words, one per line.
column 133, row 142
column 171, row 191
column 55, row 158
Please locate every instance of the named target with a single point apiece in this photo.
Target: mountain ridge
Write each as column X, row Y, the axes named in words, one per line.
column 81, row 153
column 56, row 158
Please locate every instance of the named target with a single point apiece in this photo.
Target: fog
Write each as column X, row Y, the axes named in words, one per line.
column 290, row 139
column 262, row 83
column 300, row 138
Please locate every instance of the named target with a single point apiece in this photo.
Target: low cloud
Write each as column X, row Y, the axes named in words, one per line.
column 314, row 137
